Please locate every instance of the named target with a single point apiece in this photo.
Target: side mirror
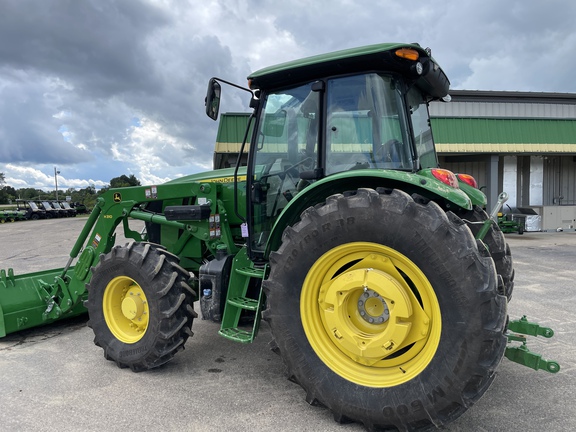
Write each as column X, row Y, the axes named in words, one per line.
column 213, row 99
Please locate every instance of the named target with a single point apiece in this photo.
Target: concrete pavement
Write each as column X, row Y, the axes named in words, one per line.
column 55, row 379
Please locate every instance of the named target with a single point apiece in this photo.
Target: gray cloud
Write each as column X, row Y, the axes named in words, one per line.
column 97, row 46
column 107, row 87
column 28, row 130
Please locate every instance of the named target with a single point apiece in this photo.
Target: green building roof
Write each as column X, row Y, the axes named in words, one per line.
column 501, row 135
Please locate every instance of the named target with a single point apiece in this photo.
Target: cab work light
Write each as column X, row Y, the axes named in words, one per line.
column 408, row 53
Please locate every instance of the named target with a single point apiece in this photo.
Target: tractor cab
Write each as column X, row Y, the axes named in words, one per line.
column 326, row 115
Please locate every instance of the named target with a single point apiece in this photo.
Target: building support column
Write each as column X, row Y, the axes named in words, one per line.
column 524, row 181
column 492, row 191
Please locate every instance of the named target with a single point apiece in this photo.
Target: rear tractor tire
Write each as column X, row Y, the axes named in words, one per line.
column 385, row 310
column 498, row 248
column 140, row 306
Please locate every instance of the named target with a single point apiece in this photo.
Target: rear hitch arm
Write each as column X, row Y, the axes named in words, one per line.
column 528, row 328
column 521, row 354
column 493, row 219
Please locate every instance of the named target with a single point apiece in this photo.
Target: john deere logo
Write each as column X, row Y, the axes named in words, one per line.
column 117, row 197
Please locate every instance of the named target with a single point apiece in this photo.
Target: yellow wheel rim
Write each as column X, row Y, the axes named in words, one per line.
column 370, row 314
column 125, row 309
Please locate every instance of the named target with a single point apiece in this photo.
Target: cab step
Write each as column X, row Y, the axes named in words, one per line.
column 237, row 335
column 238, row 301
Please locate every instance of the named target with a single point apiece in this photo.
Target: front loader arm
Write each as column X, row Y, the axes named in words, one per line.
column 68, row 288
column 98, row 236
column 38, row 298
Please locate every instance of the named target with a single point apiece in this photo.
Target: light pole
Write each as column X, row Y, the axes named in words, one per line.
column 56, row 172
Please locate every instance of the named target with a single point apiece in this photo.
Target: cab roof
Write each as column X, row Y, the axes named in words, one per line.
column 378, row 57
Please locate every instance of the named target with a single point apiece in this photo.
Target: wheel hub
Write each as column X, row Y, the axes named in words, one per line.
column 373, row 308
column 356, row 310
column 126, row 309
column 133, row 306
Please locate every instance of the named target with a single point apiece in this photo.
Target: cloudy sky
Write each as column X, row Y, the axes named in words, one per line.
column 101, row 88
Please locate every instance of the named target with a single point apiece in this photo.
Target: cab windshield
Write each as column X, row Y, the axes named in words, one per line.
column 421, row 128
column 364, row 124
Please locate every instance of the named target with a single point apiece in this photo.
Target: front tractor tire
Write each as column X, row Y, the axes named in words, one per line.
column 140, row 306
column 385, row 310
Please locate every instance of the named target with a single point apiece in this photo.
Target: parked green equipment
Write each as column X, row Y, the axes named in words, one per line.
column 11, row 216
column 70, row 211
column 79, row 207
column 508, row 224
column 30, row 209
column 384, row 283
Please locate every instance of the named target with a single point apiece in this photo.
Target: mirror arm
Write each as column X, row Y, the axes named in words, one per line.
column 233, row 85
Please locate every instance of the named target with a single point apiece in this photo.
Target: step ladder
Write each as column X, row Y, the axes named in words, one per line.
column 243, row 271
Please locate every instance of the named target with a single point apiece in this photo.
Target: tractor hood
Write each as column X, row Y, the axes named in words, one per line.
column 225, row 175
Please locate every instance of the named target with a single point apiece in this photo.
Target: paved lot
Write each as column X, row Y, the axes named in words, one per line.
column 55, row 379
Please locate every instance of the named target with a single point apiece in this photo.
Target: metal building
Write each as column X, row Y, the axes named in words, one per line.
column 523, row 143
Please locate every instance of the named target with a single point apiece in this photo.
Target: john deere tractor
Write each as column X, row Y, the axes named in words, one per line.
column 384, row 283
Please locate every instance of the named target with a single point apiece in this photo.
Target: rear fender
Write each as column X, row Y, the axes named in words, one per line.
column 425, row 185
column 477, row 197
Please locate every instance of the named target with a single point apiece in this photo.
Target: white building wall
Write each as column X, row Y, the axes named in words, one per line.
column 536, row 180
column 502, row 110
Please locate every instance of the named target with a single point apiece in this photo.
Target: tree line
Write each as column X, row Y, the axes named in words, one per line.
column 86, row 196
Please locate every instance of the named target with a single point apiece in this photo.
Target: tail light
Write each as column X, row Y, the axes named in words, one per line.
column 445, row 176
column 468, row 179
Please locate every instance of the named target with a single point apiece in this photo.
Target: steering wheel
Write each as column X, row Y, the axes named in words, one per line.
column 289, row 171
column 389, row 152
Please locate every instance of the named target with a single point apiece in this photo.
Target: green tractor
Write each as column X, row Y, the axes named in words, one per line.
column 384, row 283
